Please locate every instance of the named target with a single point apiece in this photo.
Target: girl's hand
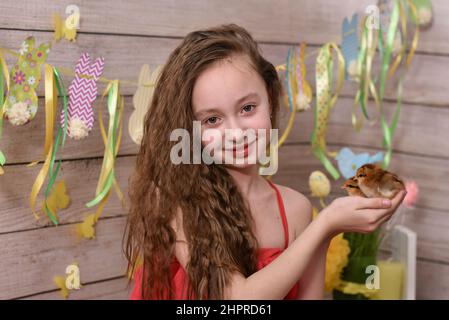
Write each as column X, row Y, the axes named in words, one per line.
column 358, row 214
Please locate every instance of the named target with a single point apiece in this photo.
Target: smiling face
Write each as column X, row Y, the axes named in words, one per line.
column 231, row 98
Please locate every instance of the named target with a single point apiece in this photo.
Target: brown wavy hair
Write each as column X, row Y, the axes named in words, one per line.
column 216, row 218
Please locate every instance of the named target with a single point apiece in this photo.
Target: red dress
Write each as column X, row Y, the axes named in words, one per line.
column 266, row 256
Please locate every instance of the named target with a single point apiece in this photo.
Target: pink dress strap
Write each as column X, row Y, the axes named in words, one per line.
column 266, row 256
column 282, row 212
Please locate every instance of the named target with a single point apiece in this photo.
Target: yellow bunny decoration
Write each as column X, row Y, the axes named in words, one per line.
column 142, row 100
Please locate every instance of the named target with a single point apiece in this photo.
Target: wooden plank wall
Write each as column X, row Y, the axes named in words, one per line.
column 129, row 34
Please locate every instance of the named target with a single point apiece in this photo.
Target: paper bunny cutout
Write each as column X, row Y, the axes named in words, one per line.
column 350, row 45
column 142, row 100
column 22, row 101
column 82, row 93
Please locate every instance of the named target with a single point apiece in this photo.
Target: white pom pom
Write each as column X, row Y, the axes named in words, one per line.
column 78, row 129
column 302, row 102
column 424, row 16
column 18, row 114
column 353, row 70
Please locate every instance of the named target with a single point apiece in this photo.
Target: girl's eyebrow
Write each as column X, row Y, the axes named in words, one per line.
column 238, row 101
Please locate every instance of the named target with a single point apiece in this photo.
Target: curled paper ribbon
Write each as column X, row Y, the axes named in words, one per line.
column 398, row 15
column 364, row 67
column 350, row 45
column 112, row 144
column 53, row 86
column 51, row 98
column 59, row 140
column 324, row 102
column 299, row 91
column 387, row 48
column 292, row 91
column 304, row 96
column 4, row 78
column 403, row 19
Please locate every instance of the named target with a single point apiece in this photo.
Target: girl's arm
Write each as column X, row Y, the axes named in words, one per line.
column 311, row 285
column 275, row 280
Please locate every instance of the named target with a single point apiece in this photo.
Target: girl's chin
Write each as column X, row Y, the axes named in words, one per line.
column 245, row 165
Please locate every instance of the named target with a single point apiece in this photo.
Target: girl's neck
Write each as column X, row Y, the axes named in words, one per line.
column 247, row 179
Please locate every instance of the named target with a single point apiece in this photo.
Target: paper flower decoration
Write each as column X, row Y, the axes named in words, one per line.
column 349, row 162
column 22, row 102
column 19, row 114
column 142, row 101
column 336, row 261
column 412, row 194
column 82, row 93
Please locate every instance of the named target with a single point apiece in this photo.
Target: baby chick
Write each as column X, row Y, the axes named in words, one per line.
column 373, row 181
column 352, row 187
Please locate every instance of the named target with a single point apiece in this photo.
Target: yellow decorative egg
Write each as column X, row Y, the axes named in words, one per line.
column 319, row 184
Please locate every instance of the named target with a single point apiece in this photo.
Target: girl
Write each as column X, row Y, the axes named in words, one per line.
column 222, row 231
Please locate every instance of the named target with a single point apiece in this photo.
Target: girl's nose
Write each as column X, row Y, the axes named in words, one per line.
column 236, row 124
column 235, row 132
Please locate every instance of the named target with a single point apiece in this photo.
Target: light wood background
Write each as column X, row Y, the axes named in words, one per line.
column 129, row 34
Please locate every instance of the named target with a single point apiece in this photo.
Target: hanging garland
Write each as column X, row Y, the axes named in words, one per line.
column 298, row 97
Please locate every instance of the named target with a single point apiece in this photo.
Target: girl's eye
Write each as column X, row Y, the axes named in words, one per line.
column 248, row 108
column 211, row 120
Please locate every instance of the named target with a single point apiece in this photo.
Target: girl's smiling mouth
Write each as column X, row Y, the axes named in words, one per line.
column 241, row 149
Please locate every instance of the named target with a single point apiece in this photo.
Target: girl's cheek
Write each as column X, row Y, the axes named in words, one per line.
column 206, row 140
column 209, row 139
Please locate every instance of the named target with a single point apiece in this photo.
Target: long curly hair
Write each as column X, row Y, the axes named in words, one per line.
column 216, row 218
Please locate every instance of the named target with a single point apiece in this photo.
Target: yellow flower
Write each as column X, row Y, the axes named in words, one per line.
column 336, row 261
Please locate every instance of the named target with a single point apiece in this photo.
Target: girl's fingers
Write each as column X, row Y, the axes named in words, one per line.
column 378, row 215
column 397, row 200
column 384, row 219
column 380, row 203
column 381, row 215
column 373, row 203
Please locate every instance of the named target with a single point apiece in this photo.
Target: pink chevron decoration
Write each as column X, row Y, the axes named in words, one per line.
column 83, row 92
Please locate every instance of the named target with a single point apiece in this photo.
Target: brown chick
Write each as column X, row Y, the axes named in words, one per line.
column 373, row 181
column 352, row 187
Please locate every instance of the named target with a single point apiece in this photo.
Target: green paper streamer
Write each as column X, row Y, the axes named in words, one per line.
column 386, row 54
column 2, row 159
column 112, row 140
column 61, row 134
column 386, row 51
column 2, row 100
column 2, row 97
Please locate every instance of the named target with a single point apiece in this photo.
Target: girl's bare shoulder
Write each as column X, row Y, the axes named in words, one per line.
column 298, row 208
